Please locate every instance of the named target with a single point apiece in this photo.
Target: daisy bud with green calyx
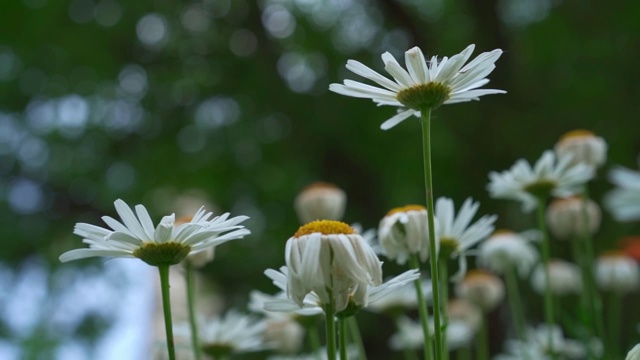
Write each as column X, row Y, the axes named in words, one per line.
column 329, row 258
column 164, row 245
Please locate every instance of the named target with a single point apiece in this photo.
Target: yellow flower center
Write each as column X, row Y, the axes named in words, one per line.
column 430, row 95
column 169, row 253
column 406, row 208
column 325, row 227
column 575, row 134
column 448, row 246
column 541, row 189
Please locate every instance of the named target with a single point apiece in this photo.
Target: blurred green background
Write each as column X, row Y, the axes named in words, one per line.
column 226, row 103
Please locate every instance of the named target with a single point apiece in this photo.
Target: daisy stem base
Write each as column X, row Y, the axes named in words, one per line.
column 166, row 307
column 195, row 342
column 422, row 309
column 425, row 114
column 342, row 338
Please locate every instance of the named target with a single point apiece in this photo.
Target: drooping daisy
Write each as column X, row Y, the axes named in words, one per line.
column 566, row 217
column 564, row 278
column 456, row 234
column 166, row 244
column 549, row 176
column 331, row 259
column 482, row 288
column 617, row 272
column 624, row 201
column 505, row 251
column 320, row 200
column 583, row 146
column 425, row 85
column 404, row 232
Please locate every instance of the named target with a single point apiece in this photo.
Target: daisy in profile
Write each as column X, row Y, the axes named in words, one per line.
column 624, row 200
column 165, row 244
column 425, row 84
column 550, row 176
column 456, row 234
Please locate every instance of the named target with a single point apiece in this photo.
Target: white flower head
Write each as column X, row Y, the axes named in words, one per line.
column 166, row 244
column 320, row 200
column 401, row 298
column 455, row 234
column 549, row 176
column 505, row 250
column 617, row 272
column 404, row 232
column 624, row 200
column 409, row 334
column 331, row 259
column 583, row 146
column 424, row 85
column 564, row 278
column 537, row 346
column 634, row 353
column 481, row 288
column 566, row 217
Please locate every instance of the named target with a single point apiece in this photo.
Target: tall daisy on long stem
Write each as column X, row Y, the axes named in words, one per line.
column 422, row 87
column 162, row 246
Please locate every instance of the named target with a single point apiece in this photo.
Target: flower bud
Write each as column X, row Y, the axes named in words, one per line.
column 481, row 288
column 566, row 217
column 583, row 146
column 617, row 272
column 320, row 201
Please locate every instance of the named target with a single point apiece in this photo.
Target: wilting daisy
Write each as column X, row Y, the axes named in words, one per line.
column 617, row 272
column 624, row 201
column 456, row 234
column 549, row 176
column 320, row 200
column 564, row 278
column 403, row 232
column 165, row 244
column 424, row 85
column 566, row 217
column 583, row 146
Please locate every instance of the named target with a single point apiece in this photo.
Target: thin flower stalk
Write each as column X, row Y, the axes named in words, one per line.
column 428, row 180
column 356, row 337
column 330, row 326
column 166, row 307
column 482, row 341
column 342, row 338
column 513, row 295
column 444, row 281
column 422, row 309
column 548, row 299
column 614, row 313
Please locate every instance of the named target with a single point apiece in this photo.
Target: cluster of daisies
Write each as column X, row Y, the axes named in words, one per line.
column 333, row 270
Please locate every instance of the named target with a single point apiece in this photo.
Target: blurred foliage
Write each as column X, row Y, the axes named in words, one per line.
column 226, row 102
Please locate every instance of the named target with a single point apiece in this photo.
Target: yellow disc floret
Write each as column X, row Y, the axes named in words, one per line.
column 325, row 227
column 575, row 134
column 406, row 208
column 169, row 253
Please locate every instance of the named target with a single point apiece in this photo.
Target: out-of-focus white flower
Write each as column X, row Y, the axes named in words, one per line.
column 409, row 334
column 537, row 346
column 312, row 305
column 456, row 234
column 166, row 244
column 425, row 84
column 623, row 202
column 634, row 354
column 584, row 147
column 401, row 298
column 481, row 288
column 549, row 176
column 320, row 201
column 404, row 232
column 465, row 311
column 566, row 217
column 284, row 335
column 564, row 277
column 505, row 251
column 617, row 272
column 352, row 353
column 331, row 259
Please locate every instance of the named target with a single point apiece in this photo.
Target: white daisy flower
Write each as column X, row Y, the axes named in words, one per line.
column 320, row 201
column 565, row 278
column 425, row 84
column 566, row 217
column 634, row 353
column 482, row 288
column 229, row 334
column 583, row 146
column 549, row 176
column 537, row 346
column 312, row 304
column 624, row 201
column 167, row 244
column 617, row 272
column 456, row 234
column 404, row 232
column 329, row 258
column 505, row 250
column 409, row 335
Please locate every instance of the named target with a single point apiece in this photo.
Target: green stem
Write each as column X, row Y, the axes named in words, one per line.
column 585, row 309
column 482, row 341
column 422, row 309
column 330, row 322
column 426, row 147
column 444, row 281
column 595, row 302
column 464, row 353
column 314, row 340
column 614, row 313
column 191, row 287
column 356, row 337
column 166, row 307
column 342, row 338
column 548, row 298
column 513, row 294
